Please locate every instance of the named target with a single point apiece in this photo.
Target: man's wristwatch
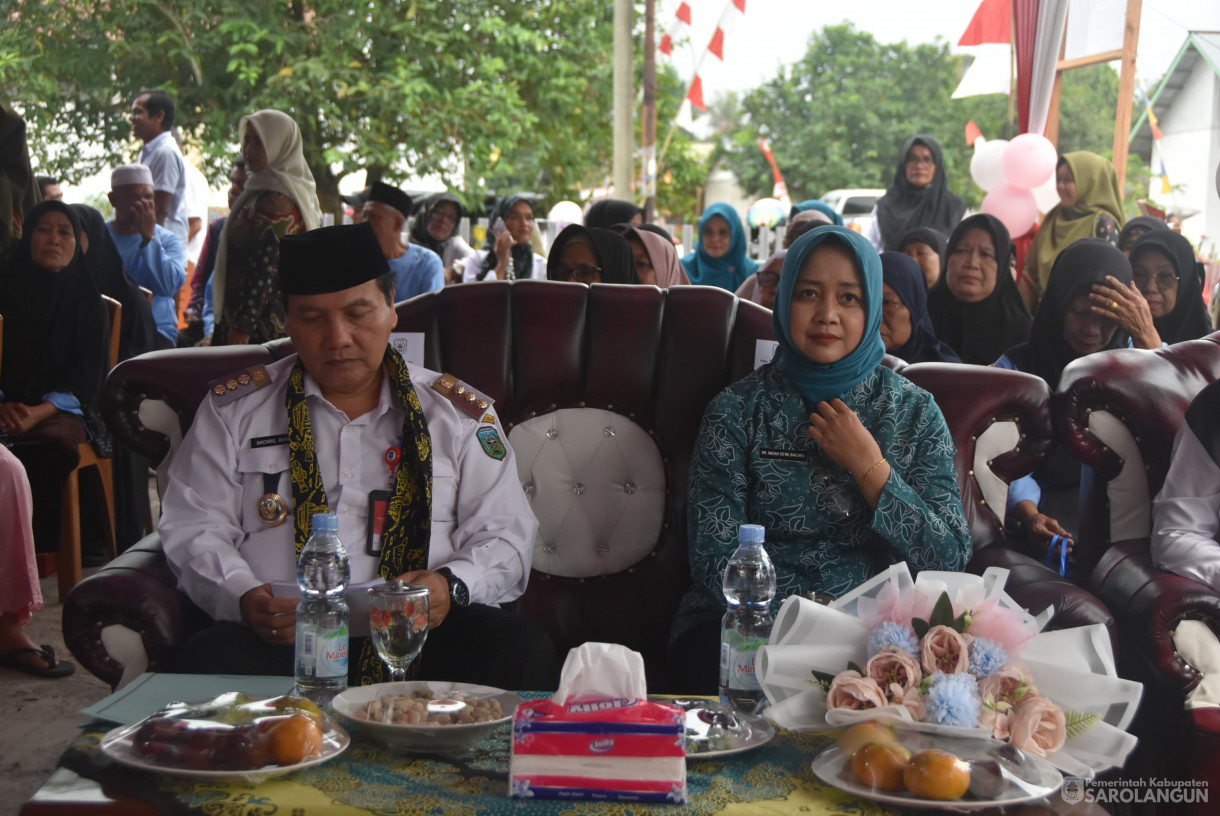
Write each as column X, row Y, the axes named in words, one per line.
column 459, row 594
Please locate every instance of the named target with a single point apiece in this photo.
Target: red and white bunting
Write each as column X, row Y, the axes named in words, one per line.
column 733, row 11
column 677, row 29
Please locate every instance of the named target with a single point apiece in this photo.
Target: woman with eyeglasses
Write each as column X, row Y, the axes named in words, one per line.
column 590, row 255
column 1165, row 271
column 1089, row 306
column 436, row 228
column 848, row 465
column 763, row 284
column 906, row 329
column 917, row 197
column 721, row 254
column 1090, row 206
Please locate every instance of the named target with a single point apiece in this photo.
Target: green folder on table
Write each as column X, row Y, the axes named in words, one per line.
column 152, row 690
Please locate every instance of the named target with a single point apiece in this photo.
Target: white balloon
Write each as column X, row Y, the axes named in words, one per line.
column 987, row 165
column 566, row 212
column 1046, row 195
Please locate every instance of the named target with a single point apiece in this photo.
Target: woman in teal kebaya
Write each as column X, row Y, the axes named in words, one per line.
column 848, row 465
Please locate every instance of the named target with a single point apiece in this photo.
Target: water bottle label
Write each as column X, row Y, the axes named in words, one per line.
column 332, row 653
column 741, row 655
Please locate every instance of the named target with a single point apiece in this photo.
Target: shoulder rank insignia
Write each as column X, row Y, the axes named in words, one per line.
column 229, row 388
column 472, row 402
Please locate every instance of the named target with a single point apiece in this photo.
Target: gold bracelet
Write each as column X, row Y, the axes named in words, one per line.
column 869, row 472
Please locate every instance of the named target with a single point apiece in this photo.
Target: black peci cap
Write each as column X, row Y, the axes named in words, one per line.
column 390, row 196
column 330, row 259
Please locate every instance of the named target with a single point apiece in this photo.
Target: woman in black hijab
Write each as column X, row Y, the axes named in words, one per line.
column 587, row 255
column 905, row 328
column 55, row 355
column 508, row 254
column 1136, row 228
column 611, row 211
column 927, row 247
column 1075, row 318
column 976, row 308
column 436, row 228
column 918, row 196
column 1169, row 277
column 138, row 331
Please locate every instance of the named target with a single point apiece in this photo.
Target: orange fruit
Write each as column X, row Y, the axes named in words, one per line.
column 936, row 774
column 880, row 765
column 863, row 733
column 295, row 739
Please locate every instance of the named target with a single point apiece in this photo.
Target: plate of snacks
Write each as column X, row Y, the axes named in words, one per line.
column 715, row 730
column 232, row 736
column 897, row 766
column 427, row 716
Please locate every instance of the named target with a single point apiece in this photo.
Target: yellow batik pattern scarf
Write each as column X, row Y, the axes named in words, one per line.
column 404, row 546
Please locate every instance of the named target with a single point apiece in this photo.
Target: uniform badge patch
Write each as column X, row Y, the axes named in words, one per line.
column 489, row 439
column 488, row 419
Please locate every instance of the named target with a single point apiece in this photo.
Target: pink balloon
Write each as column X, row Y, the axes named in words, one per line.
column 1029, row 160
column 1015, row 207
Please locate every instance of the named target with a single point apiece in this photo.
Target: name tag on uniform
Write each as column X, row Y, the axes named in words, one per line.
column 784, row 455
column 268, row 441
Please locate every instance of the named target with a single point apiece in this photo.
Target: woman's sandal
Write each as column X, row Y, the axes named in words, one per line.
column 54, row 668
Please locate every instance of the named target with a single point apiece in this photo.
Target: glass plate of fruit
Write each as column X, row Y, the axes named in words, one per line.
column 232, row 736
column 904, row 767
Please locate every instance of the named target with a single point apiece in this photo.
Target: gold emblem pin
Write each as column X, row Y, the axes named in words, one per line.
column 244, row 379
column 231, row 385
column 219, row 390
column 460, row 390
column 272, row 509
column 483, row 405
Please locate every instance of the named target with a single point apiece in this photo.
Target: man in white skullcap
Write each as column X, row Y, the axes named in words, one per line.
column 153, row 256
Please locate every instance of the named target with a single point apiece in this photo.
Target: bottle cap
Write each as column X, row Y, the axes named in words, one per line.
column 752, row 534
column 325, row 523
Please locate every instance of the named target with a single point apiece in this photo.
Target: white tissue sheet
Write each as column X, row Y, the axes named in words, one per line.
column 599, row 737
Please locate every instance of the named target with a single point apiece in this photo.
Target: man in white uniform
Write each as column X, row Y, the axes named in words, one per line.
column 342, row 425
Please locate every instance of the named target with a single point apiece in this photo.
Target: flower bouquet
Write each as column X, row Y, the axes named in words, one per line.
column 950, row 654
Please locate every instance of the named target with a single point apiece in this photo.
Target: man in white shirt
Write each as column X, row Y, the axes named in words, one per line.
column 152, row 117
column 343, row 425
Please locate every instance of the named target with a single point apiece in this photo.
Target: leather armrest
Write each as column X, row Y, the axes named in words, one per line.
column 1150, row 603
column 1035, row 586
column 137, row 590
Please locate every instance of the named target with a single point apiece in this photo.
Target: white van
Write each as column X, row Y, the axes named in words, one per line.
column 855, row 206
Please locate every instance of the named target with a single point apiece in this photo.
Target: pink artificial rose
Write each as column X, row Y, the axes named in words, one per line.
column 945, row 650
column 850, row 690
column 1037, row 725
column 995, row 719
column 912, row 700
column 1006, row 685
column 894, row 666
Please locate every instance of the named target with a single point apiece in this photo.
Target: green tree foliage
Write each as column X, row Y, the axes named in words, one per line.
column 840, row 115
column 483, row 90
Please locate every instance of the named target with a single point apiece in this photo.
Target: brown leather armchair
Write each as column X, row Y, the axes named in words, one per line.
column 1118, row 413
column 602, row 389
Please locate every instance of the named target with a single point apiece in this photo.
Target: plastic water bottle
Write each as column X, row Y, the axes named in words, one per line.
column 322, row 632
column 749, row 587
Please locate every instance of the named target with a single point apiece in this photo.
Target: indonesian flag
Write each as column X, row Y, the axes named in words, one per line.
column 695, row 94
column 677, row 29
column 988, row 39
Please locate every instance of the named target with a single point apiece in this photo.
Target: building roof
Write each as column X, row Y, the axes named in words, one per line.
column 1199, row 45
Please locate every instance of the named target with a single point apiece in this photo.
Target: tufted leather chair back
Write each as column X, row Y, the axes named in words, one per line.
column 1118, row 412
column 602, row 390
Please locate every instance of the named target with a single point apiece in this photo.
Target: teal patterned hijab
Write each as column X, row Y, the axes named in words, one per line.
column 818, row 382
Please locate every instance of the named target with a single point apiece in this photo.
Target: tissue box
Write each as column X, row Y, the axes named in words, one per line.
column 599, row 748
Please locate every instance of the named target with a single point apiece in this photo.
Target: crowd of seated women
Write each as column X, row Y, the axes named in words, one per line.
column 868, row 479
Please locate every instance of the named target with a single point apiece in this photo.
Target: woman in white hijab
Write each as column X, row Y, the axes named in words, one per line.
column 280, row 199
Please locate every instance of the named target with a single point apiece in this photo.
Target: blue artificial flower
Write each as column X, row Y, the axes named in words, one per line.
column 893, row 634
column 986, row 656
column 953, row 699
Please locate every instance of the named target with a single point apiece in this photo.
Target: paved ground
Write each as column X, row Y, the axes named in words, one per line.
column 39, row 718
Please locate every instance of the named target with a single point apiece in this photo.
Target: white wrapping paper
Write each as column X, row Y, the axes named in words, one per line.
column 1073, row 667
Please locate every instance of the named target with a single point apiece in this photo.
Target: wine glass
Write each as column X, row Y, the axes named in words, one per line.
column 398, row 624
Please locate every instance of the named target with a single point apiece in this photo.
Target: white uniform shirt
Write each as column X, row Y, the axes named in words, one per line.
column 1186, row 513
column 482, row 525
